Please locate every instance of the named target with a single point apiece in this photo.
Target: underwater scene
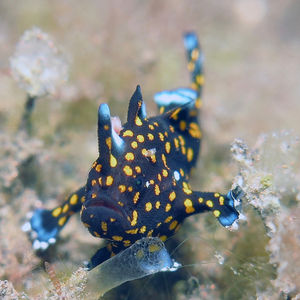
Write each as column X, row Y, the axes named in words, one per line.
column 149, row 150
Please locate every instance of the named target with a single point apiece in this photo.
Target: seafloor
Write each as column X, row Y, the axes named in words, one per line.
column 252, row 92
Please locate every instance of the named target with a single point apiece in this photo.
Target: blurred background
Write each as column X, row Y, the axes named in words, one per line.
column 252, row 69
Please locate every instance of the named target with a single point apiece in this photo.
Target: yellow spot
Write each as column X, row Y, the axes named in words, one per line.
column 143, row 229
column 150, row 232
column 194, row 130
column 163, row 238
column 158, row 224
column 168, row 147
column 104, row 226
column 134, row 218
column 150, row 136
column 130, row 189
column 151, row 126
column 161, row 136
column 168, row 219
column 82, row 199
column 126, row 243
column 94, row 195
column 173, row 225
column 191, row 66
column 128, row 133
column 136, row 197
column 56, row 212
column 140, row 254
column 109, row 180
column 129, row 156
column 159, row 177
column 98, row 168
column 140, row 138
column 217, row 213
column 194, row 86
column 127, row 170
column 221, row 200
column 134, row 144
column 132, row 231
column 157, row 204
column 172, row 129
column 168, row 207
column 181, row 140
column 108, row 142
column 165, row 173
column 176, row 143
column 182, row 125
column 106, row 127
column 200, row 79
column 200, row 200
column 188, row 206
column 138, row 169
column 96, row 234
column 174, row 114
column 74, row 199
column 190, row 154
column 94, row 164
column 186, row 188
column 113, row 161
column 66, row 208
column 195, row 54
column 62, row 221
column 183, row 150
column 122, row 188
column 138, row 121
column 154, row 248
column 151, row 181
column 94, row 182
column 157, row 190
column 121, row 203
column 172, row 196
column 209, row 203
column 100, row 180
column 216, row 195
column 153, row 158
column 163, row 157
column 112, row 220
column 162, row 109
column 148, row 206
column 117, row 238
column 181, row 172
column 198, row 104
column 156, row 124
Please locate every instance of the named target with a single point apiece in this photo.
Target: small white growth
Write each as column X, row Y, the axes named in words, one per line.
column 52, row 241
column 38, row 65
column 36, row 245
column 234, row 226
column 147, row 184
column 44, row 245
column 176, row 265
column 176, row 175
column 220, row 258
column 26, row 227
column 33, row 235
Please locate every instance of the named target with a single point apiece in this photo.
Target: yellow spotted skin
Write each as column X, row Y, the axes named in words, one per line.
column 138, row 186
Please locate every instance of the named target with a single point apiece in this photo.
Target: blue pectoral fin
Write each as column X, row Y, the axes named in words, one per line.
column 230, row 210
column 42, row 229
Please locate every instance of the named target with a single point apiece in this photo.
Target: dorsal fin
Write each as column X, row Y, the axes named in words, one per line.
column 136, row 110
